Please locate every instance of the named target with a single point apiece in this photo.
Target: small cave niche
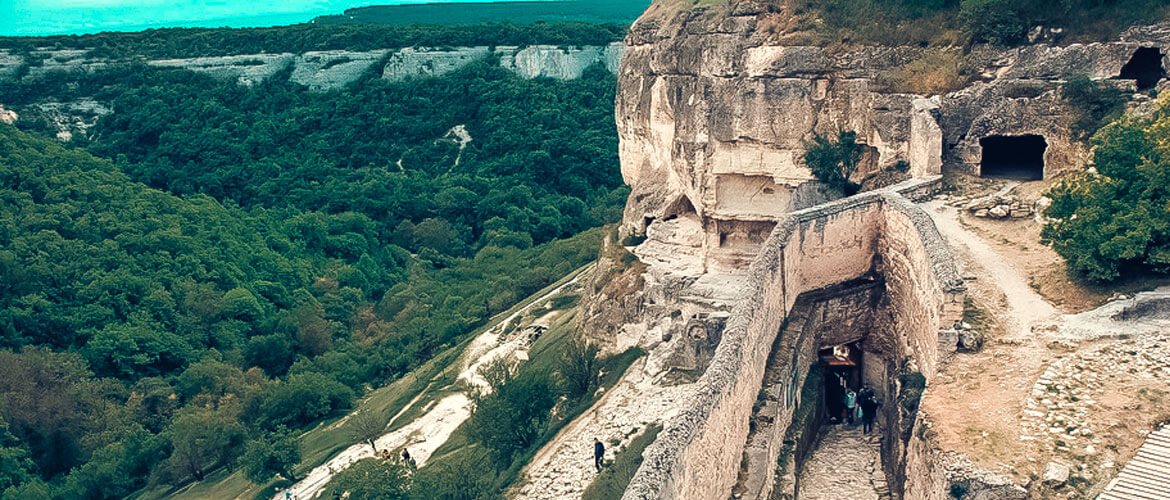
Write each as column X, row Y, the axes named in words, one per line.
column 681, row 207
column 1013, row 156
column 1145, row 67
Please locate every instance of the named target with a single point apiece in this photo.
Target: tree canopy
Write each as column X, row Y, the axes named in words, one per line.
column 1116, row 217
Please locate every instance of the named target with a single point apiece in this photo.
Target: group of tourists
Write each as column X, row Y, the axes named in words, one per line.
column 852, row 407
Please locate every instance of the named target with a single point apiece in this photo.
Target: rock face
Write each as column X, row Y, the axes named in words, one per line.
column 530, row 62
column 9, row 65
column 7, row 116
column 246, row 69
column 331, row 69
column 714, row 111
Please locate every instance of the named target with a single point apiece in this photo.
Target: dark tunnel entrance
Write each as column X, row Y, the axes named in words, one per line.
column 1146, row 67
column 1013, row 156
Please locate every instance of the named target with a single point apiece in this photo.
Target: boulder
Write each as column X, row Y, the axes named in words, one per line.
column 1055, row 474
column 998, row 211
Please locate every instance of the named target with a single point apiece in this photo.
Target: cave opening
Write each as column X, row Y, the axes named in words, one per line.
column 680, row 207
column 1013, row 156
column 1146, row 67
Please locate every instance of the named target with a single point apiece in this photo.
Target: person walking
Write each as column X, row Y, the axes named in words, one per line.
column 850, row 405
column 598, row 454
column 407, row 459
column 869, row 408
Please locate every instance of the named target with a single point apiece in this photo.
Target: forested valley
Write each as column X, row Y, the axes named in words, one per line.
column 216, row 267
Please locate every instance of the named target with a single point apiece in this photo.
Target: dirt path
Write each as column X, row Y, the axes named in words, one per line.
column 428, row 432
column 1025, row 307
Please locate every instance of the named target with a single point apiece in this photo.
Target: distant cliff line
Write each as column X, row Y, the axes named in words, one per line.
column 331, row 69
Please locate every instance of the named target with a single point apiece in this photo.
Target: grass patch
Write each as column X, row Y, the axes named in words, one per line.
column 976, row 316
column 938, row 71
column 615, row 477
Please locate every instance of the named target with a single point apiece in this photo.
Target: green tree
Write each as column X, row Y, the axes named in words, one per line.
column 994, row 21
column 14, row 462
column 202, row 438
column 274, row 453
column 580, row 368
column 1115, row 216
column 833, row 162
column 508, row 420
column 375, row 479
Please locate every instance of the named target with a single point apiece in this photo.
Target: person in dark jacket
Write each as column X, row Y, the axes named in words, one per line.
column 598, row 454
column 869, row 408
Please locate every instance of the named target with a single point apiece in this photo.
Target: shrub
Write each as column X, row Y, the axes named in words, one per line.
column 958, row 491
column 580, row 368
column 1102, row 222
column 510, row 418
column 834, row 162
column 912, row 386
column 1093, row 104
column 992, row 21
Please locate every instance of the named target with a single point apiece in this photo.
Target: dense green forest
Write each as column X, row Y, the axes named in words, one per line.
column 203, row 42
column 216, row 267
column 139, row 325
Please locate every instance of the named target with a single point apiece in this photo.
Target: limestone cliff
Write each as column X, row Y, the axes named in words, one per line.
column 715, row 107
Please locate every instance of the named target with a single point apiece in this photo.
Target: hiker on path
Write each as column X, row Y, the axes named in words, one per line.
column 406, row 458
column 598, row 454
column 869, row 408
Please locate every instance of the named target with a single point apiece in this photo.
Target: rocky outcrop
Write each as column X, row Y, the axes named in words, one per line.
column 10, row 65
column 332, row 69
column 530, row 62
column 7, row 116
column 245, row 69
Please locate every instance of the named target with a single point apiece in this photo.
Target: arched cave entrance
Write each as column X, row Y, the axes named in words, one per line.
column 681, row 207
column 1146, row 67
column 1013, row 156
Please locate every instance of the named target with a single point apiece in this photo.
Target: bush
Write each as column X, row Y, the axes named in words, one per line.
column 510, row 418
column 1093, row 104
column 993, row 21
column 580, row 368
column 912, row 386
column 1105, row 221
column 834, row 162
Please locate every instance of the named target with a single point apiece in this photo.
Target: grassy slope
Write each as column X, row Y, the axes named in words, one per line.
column 430, row 382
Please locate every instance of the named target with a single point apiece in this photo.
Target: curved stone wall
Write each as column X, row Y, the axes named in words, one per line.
column 697, row 454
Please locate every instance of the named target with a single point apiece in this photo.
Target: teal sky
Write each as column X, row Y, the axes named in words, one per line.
column 49, row 17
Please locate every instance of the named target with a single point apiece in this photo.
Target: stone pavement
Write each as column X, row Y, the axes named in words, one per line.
column 845, row 465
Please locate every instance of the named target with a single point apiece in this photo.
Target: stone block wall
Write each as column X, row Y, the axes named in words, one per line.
column 698, row 453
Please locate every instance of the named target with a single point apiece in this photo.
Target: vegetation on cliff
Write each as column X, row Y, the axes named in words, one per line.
column 960, row 22
column 1113, row 218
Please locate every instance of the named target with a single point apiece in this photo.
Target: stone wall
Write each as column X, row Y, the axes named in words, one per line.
column 697, row 455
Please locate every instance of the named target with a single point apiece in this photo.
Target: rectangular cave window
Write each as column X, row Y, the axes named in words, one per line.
column 1146, row 67
column 1013, row 156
